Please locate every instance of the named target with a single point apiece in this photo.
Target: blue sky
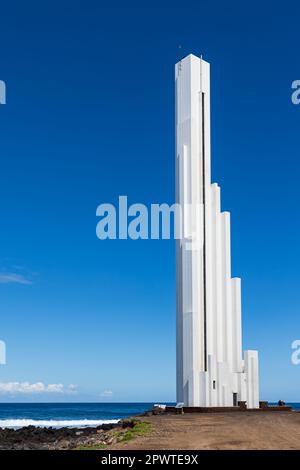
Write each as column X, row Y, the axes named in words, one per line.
column 89, row 117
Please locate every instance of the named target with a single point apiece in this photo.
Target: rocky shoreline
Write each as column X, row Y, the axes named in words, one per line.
column 36, row 438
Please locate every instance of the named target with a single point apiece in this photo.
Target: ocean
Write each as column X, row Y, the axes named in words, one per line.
column 17, row 415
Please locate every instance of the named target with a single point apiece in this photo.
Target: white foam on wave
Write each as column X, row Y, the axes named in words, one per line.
column 72, row 423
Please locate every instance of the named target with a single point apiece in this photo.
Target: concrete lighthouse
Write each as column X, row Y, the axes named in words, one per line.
column 212, row 371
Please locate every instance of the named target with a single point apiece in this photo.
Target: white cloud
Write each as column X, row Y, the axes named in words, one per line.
column 106, row 393
column 13, row 278
column 72, row 388
column 31, row 388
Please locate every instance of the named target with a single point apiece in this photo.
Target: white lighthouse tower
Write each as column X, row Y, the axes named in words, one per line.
column 211, row 369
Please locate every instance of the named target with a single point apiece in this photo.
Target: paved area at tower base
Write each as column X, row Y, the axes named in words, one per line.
column 224, row 409
column 247, row 430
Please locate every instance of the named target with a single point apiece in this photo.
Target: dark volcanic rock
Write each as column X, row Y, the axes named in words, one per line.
column 32, row 437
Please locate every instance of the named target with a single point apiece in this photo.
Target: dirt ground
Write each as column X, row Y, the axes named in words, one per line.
column 246, row 430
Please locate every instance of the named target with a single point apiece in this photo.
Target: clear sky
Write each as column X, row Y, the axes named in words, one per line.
column 89, row 117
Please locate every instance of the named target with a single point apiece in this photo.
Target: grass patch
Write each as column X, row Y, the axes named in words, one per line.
column 96, row 447
column 140, row 429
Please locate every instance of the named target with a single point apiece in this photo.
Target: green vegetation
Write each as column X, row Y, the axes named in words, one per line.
column 96, row 447
column 140, row 428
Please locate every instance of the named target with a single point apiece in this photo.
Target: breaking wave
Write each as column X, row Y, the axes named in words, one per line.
column 76, row 423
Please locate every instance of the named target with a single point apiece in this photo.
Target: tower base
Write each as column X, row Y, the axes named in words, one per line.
column 220, row 387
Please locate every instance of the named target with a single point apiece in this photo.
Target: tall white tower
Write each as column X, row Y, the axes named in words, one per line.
column 211, row 370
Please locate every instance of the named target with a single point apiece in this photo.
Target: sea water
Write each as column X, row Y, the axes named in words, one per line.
column 17, row 415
